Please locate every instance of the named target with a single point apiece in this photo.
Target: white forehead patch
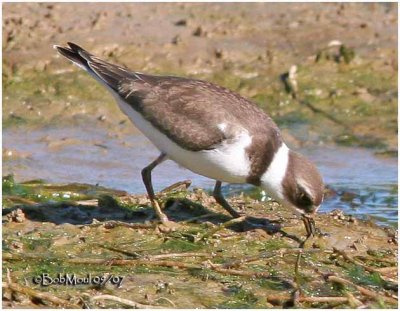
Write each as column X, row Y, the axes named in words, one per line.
column 272, row 179
column 305, row 185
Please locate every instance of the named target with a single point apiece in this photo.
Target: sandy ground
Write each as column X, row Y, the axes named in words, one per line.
column 88, row 229
column 298, row 30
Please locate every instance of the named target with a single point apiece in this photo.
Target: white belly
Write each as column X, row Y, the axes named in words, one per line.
column 228, row 162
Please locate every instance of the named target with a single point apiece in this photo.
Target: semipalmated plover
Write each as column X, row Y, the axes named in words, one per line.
column 209, row 130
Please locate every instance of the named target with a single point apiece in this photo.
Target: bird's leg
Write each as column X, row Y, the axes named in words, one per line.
column 146, row 175
column 251, row 222
column 217, row 194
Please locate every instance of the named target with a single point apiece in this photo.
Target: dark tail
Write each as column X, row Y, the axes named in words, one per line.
column 109, row 74
column 76, row 54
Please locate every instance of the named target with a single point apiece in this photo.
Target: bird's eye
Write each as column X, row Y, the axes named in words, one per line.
column 303, row 198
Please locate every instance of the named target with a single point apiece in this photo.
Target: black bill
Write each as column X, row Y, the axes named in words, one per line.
column 309, row 224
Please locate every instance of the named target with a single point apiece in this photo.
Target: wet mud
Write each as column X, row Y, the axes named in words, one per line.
column 204, row 263
column 327, row 74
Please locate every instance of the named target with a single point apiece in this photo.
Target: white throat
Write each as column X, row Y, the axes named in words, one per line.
column 272, row 179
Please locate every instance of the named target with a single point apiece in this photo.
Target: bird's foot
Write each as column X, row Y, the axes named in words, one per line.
column 240, row 214
column 168, row 226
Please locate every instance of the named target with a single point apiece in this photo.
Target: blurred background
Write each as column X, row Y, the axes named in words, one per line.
column 326, row 73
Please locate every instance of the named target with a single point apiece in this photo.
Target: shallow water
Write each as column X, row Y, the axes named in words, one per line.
column 364, row 185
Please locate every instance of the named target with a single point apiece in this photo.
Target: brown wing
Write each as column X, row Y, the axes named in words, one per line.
column 188, row 111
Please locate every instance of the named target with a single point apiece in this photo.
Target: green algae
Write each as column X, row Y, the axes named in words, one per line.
column 10, row 187
column 363, row 277
column 239, row 298
column 358, row 90
column 173, row 245
column 39, row 191
column 359, row 95
column 47, row 246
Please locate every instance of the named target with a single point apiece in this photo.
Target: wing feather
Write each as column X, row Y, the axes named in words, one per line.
column 190, row 112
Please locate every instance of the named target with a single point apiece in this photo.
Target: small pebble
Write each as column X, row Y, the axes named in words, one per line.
column 16, row 216
column 181, row 22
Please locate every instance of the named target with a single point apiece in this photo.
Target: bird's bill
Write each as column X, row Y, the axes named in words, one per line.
column 309, row 224
column 307, row 219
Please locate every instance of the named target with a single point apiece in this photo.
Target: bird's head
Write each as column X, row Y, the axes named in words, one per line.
column 294, row 181
column 302, row 185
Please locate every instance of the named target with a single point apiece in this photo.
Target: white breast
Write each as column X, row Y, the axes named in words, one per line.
column 228, row 162
column 272, row 179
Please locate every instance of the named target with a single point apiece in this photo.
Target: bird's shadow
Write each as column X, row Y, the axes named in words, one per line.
column 108, row 209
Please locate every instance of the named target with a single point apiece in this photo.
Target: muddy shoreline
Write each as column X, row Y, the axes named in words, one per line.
column 56, row 118
column 246, row 48
column 343, row 98
column 202, row 264
column 360, row 182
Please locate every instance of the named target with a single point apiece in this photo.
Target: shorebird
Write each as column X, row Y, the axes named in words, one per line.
column 209, row 130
